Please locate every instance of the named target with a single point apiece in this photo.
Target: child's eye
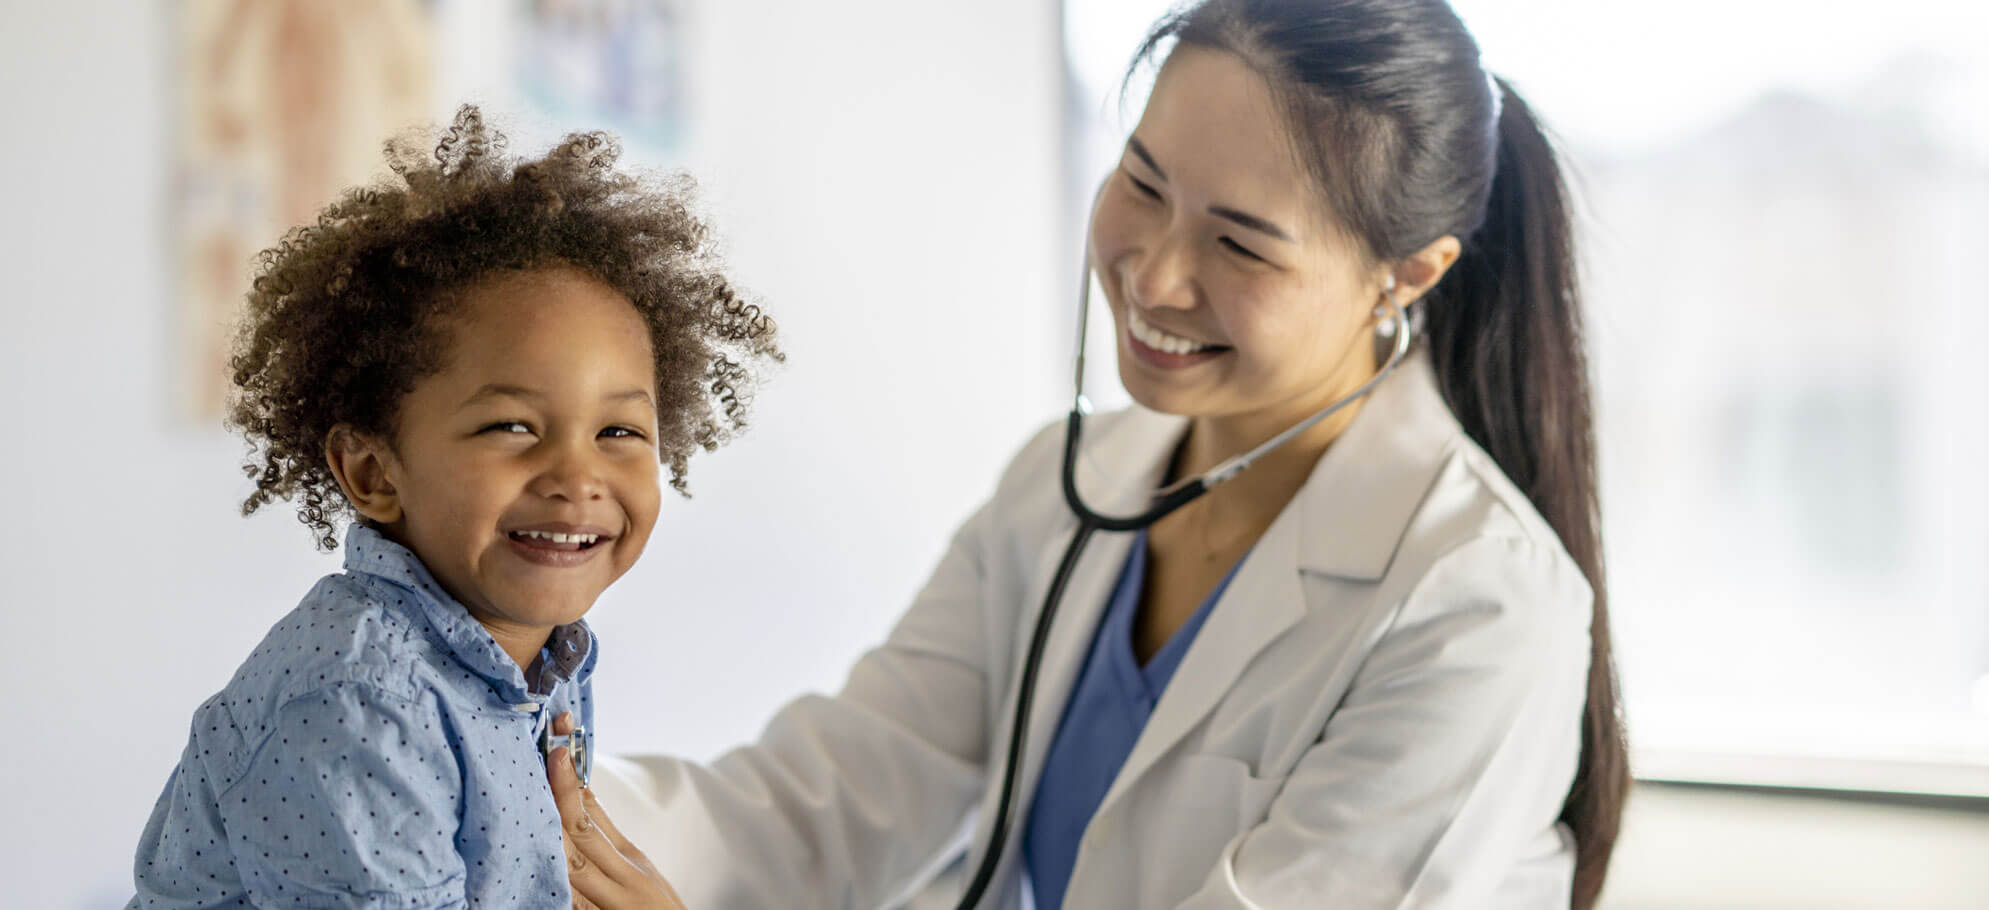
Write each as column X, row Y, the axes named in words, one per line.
column 622, row 433
column 507, row 426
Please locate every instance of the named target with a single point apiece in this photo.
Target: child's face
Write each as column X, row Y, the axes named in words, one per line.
column 542, row 422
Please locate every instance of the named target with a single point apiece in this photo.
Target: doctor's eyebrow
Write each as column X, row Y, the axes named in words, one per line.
column 1250, row 221
column 1245, row 219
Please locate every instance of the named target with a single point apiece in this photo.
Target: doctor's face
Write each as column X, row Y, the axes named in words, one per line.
column 1234, row 294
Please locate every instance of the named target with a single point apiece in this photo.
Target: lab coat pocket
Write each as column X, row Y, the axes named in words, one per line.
column 1220, row 792
column 1203, row 804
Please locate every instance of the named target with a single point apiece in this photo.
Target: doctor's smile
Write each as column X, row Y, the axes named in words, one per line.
column 1166, row 350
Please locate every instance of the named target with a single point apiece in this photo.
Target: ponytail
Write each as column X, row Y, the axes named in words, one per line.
column 1411, row 142
column 1505, row 336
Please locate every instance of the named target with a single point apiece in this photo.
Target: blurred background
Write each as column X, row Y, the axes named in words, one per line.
column 1782, row 207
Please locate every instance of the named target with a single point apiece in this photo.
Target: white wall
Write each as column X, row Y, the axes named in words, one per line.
column 886, row 174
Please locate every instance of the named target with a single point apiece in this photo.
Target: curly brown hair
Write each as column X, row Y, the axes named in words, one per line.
column 341, row 320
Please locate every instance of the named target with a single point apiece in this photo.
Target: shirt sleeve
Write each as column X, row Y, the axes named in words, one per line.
column 351, row 802
column 1447, row 764
column 182, row 857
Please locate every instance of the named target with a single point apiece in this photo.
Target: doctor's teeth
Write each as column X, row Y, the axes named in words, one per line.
column 1159, row 340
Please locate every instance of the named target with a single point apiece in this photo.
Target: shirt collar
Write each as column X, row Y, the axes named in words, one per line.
column 569, row 652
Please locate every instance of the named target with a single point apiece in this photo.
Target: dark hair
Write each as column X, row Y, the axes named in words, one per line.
column 1411, row 141
column 342, row 318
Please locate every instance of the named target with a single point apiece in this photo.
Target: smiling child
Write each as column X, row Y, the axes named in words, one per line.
column 480, row 367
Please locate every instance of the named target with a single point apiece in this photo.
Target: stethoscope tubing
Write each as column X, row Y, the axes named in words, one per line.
column 1089, row 521
column 1025, row 689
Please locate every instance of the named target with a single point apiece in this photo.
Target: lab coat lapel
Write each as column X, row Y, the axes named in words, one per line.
column 1347, row 521
column 1117, row 473
column 1356, row 507
column 1262, row 602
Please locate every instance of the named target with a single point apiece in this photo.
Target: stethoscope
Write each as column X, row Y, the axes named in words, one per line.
column 577, row 744
column 1089, row 521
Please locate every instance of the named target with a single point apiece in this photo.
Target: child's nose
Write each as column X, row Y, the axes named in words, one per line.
column 572, row 475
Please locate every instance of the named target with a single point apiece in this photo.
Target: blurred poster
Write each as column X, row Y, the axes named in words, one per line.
column 282, row 104
column 617, row 65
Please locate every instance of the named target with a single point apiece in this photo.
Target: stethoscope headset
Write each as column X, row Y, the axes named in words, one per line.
column 1397, row 328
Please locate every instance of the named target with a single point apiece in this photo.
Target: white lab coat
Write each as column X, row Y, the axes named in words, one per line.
column 1382, row 711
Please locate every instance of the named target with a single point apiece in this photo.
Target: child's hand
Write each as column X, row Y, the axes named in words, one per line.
column 606, row 871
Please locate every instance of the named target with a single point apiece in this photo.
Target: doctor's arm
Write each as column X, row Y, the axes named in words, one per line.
column 846, row 800
column 1449, row 758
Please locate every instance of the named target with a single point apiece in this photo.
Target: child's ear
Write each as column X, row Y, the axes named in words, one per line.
column 360, row 462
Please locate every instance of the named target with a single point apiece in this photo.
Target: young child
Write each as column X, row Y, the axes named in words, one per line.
column 482, row 364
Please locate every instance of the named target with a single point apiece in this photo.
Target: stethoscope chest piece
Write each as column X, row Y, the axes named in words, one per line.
column 577, row 744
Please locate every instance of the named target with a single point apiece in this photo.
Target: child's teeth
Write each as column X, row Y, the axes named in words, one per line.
column 561, row 538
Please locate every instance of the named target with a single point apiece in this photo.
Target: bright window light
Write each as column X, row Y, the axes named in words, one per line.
column 1781, row 208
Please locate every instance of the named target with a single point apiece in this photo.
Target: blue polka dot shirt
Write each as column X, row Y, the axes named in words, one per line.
column 377, row 750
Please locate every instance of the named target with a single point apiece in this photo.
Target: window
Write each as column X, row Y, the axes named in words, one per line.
column 1782, row 213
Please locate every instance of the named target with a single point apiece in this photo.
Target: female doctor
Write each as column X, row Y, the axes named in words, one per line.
column 1372, row 671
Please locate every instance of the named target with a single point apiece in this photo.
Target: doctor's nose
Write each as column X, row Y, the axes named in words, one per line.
column 1161, row 277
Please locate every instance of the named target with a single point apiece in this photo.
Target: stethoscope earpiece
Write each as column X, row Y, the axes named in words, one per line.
column 1388, row 322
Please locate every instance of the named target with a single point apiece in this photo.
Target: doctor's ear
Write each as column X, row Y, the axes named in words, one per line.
column 1413, row 276
column 363, row 465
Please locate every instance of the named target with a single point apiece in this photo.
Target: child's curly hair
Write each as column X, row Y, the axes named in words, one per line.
column 340, row 321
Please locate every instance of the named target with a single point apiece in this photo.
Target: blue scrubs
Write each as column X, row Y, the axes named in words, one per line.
column 1108, row 707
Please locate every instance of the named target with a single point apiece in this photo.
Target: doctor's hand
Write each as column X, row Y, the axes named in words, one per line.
column 606, row 871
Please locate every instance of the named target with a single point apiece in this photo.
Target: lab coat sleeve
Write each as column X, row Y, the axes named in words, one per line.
column 1448, row 761
column 845, row 801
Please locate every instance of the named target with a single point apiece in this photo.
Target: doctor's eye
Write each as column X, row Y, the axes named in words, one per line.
column 1143, row 187
column 1241, row 250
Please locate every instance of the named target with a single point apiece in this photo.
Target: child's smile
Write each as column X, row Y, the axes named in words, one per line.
column 558, row 545
column 524, row 473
